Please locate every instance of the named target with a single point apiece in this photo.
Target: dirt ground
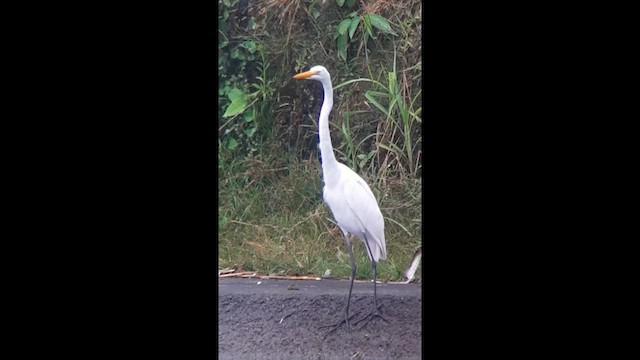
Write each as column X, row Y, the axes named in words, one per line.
column 279, row 319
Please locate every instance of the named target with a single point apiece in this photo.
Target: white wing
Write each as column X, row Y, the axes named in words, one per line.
column 364, row 207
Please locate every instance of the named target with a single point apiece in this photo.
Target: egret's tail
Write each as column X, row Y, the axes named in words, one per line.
column 378, row 248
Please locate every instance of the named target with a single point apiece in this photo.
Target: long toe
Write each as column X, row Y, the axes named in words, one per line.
column 365, row 320
column 336, row 326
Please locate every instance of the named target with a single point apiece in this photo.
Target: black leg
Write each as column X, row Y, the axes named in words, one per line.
column 353, row 276
column 375, row 311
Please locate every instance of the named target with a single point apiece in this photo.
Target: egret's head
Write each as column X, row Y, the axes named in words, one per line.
column 318, row 73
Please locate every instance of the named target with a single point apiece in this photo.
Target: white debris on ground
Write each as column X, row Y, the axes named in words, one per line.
column 411, row 271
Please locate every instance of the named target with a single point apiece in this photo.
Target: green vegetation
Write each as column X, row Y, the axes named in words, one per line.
column 350, row 25
column 272, row 218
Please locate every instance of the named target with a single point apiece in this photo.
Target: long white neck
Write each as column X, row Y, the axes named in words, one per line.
column 329, row 162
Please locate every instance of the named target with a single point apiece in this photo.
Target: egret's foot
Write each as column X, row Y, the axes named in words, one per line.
column 370, row 317
column 336, row 326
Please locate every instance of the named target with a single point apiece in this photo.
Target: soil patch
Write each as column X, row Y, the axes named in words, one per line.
column 279, row 319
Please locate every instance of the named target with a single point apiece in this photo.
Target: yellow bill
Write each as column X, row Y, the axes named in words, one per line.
column 305, row 75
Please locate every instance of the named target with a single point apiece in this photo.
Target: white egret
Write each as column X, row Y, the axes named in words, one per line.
column 350, row 199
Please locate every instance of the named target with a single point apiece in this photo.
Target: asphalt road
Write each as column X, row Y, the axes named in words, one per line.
column 279, row 319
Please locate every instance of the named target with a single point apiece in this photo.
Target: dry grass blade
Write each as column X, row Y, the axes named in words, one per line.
column 240, row 274
column 251, row 274
column 225, row 271
column 286, row 8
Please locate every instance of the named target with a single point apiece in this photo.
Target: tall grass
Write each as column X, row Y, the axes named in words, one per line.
column 274, row 221
column 401, row 133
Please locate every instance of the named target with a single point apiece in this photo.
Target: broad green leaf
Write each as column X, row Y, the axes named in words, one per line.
column 235, row 94
column 249, row 132
column 232, row 144
column 237, row 106
column 350, row 3
column 340, row 2
column 353, row 26
column 344, row 25
column 381, row 23
column 249, row 116
column 342, row 47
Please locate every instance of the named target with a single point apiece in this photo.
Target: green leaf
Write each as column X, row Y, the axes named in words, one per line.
column 378, row 93
column 376, row 103
column 237, row 107
column 249, row 132
column 350, row 3
column 249, row 116
column 391, row 147
column 237, row 54
column 366, row 20
column 380, row 23
column 353, row 26
column 361, row 164
column 342, row 47
column 314, row 12
column 393, row 83
column 340, row 2
column 364, row 159
column 232, row 144
column 251, row 46
column 235, row 94
column 344, row 25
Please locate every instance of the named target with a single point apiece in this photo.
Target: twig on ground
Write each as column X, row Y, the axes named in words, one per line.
column 225, row 271
column 240, row 274
column 249, row 274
